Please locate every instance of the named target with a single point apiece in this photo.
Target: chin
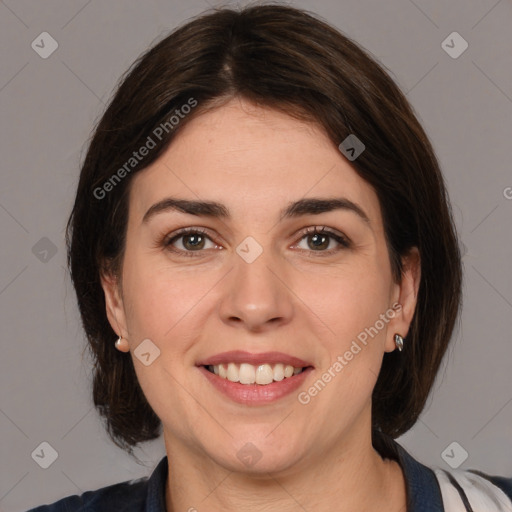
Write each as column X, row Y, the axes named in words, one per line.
column 259, row 456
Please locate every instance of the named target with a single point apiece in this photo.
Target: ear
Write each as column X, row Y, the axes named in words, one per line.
column 114, row 303
column 405, row 294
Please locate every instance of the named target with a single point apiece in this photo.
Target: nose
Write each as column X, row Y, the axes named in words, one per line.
column 256, row 295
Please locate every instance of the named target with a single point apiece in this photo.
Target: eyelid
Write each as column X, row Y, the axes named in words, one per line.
column 184, row 231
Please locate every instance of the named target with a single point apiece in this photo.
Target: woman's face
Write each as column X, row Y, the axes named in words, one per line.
column 253, row 276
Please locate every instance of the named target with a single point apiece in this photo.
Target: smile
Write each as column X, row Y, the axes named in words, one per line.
column 262, row 374
column 254, row 394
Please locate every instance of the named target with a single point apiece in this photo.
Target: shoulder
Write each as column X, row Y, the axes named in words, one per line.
column 474, row 490
column 129, row 496
column 136, row 495
column 437, row 490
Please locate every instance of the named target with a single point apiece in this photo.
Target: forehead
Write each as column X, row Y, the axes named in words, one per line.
column 250, row 158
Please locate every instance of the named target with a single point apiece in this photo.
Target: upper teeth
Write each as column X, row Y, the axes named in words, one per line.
column 248, row 374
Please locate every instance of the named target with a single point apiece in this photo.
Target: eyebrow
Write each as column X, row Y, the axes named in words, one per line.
column 310, row 206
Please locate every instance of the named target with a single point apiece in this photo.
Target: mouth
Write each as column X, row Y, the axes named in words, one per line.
column 254, row 379
column 262, row 374
column 252, row 393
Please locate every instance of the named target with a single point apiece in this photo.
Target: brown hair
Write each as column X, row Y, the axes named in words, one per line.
column 287, row 59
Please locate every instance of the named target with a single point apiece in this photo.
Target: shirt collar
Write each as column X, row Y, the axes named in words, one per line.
column 155, row 501
column 423, row 493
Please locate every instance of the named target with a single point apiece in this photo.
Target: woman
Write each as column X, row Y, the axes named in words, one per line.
column 262, row 225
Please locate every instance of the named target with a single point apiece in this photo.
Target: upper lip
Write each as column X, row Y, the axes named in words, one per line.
column 240, row 356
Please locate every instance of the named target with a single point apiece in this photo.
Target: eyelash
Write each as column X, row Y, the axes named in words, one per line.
column 343, row 242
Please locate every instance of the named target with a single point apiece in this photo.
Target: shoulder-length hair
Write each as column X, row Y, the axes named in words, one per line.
column 290, row 60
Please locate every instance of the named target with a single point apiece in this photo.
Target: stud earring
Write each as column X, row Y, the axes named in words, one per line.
column 118, row 344
column 399, row 342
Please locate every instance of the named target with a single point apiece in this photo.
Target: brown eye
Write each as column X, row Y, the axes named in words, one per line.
column 189, row 241
column 193, row 242
column 318, row 241
column 323, row 241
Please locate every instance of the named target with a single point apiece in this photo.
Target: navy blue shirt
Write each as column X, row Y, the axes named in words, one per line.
column 148, row 494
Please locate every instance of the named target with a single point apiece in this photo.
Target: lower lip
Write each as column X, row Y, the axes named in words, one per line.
column 256, row 394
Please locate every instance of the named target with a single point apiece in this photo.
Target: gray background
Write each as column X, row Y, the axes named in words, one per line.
column 47, row 110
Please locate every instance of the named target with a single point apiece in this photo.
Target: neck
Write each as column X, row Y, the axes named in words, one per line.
column 345, row 479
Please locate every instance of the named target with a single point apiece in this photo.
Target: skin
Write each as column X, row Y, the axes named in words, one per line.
column 294, row 298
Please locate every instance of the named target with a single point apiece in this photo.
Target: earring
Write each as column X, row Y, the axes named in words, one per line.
column 399, row 342
column 118, row 344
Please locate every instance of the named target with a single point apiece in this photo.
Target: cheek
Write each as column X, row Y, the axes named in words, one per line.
column 352, row 335
column 160, row 301
column 347, row 299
